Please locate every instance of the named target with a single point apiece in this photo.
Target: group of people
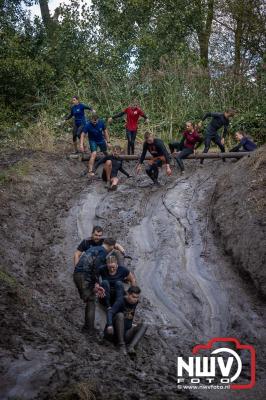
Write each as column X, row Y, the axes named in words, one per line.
column 98, row 138
column 100, row 274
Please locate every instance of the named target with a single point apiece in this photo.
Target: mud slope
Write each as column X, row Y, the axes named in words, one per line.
column 240, row 197
column 191, row 290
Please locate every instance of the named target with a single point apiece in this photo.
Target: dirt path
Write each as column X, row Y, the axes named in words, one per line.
column 188, row 296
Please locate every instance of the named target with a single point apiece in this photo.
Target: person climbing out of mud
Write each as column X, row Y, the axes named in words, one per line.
column 97, row 239
column 85, row 278
column 111, row 289
column 245, row 143
column 78, row 112
column 98, row 136
column 133, row 113
column 218, row 121
column 188, row 144
column 159, row 154
column 121, row 316
column 112, row 165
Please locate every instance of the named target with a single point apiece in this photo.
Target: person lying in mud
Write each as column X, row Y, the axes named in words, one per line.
column 245, row 143
column 112, row 277
column 159, row 154
column 218, row 121
column 112, row 165
column 98, row 137
column 86, row 277
column 120, row 319
column 188, row 144
column 96, row 239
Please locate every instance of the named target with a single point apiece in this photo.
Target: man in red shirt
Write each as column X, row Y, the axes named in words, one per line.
column 187, row 144
column 133, row 113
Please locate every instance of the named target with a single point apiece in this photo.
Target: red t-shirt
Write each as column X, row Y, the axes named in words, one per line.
column 133, row 115
column 191, row 138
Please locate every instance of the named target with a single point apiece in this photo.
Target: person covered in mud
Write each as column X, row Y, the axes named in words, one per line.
column 218, row 121
column 120, row 318
column 112, row 165
column 133, row 113
column 98, row 137
column 188, row 144
column 244, row 143
column 78, row 112
column 86, row 277
column 112, row 277
column 96, row 239
column 159, row 154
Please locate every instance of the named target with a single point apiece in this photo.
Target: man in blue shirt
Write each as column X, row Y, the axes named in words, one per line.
column 98, row 136
column 78, row 112
column 218, row 121
column 244, row 142
column 86, row 276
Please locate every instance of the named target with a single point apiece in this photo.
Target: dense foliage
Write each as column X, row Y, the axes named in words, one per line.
column 179, row 58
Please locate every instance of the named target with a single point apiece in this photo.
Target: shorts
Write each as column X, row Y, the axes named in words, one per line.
column 159, row 161
column 77, row 129
column 86, row 291
column 94, row 146
column 114, row 174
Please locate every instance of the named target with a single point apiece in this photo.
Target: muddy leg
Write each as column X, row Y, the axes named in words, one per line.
column 119, row 323
column 89, row 315
column 134, row 335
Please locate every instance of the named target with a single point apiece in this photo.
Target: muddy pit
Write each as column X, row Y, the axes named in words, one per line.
column 192, row 290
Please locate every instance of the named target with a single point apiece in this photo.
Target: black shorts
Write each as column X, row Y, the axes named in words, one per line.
column 77, row 132
column 114, row 174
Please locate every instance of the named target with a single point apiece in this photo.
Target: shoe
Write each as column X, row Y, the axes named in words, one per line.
column 122, row 349
column 131, row 351
column 110, row 330
column 156, row 183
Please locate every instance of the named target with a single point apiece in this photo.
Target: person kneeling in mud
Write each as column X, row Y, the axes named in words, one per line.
column 120, row 316
column 187, row 144
column 159, row 154
column 112, row 165
column 85, row 278
column 111, row 289
column 245, row 143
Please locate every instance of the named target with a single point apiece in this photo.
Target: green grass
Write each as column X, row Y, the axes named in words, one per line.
column 15, row 172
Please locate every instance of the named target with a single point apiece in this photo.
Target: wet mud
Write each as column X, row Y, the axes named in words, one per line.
column 191, row 289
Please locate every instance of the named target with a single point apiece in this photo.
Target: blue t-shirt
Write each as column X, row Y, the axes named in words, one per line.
column 247, row 144
column 95, row 132
column 91, row 260
column 120, row 275
column 78, row 112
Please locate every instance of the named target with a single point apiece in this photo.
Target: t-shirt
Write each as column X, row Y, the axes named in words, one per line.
column 87, row 243
column 91, row 261
column 247, row 144
column 133, row 115
column 120, row 275
column 191, row 138
column 95, row 132
column 127, row 309
column 157, row 149
column 78, row 112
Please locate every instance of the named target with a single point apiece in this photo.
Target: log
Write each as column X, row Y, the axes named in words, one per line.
column 86, row 156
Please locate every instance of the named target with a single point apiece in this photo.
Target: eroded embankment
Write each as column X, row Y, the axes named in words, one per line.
column 190, row 290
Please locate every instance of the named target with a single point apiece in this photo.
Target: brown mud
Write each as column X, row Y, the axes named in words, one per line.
column 192, row 290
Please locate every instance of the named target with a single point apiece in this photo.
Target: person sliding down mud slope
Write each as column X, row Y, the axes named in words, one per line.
column 245, row 143
column 96, row 239
column 159, row 154
column 187, row 144
column 78, row 112
column 133, row 113
column 85, row 278
column 121, row 316
column 218, row 121
column 98, row 136
column 111, row 289
column 112, row 165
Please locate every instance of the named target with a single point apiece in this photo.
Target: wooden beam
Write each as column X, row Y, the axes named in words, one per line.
column 199, row 156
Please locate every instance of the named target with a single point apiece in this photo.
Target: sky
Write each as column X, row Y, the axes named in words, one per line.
column 35, row 10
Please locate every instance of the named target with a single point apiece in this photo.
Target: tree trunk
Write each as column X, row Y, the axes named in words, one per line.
column 204, row 30
column 45, row 14
column 239, row 17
